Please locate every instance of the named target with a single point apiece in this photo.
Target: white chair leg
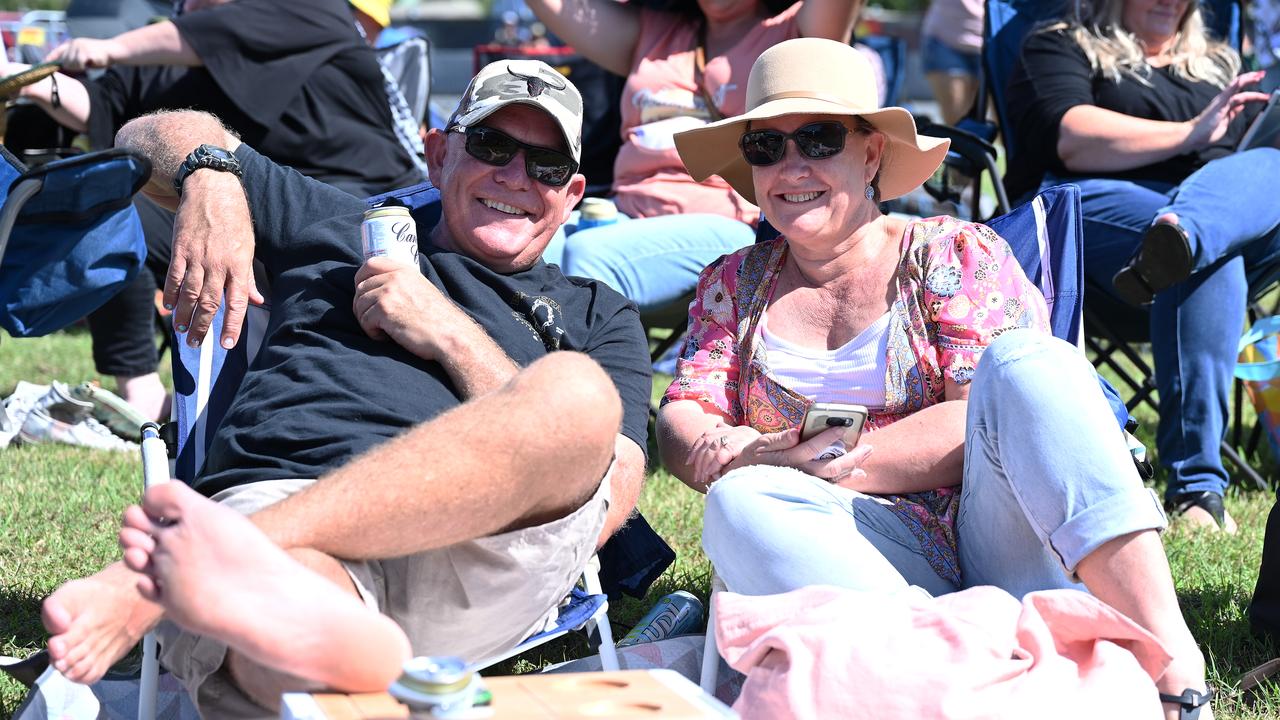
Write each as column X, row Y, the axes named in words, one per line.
column 711, row 654
column 155, row 470
column 608, row 652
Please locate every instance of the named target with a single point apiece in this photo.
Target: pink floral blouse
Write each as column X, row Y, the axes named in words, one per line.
column 958, row 287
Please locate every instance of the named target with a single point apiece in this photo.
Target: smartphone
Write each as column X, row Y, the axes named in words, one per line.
column 821, row 416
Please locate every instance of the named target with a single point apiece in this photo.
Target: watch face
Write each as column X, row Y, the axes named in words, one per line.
column 217, row 152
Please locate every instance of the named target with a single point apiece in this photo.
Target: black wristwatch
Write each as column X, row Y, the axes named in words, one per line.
column 206, row 156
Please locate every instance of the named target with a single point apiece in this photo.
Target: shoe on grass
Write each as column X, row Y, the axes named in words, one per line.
column 115, row 412
column 1202, row 509
column 17, row 406
column 59, row 418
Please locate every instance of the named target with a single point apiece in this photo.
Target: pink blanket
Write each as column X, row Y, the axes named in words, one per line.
column 823, row 652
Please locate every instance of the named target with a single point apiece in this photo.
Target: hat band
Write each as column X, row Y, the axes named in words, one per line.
column 808, row 95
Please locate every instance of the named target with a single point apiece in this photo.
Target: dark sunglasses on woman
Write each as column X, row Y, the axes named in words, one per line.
column 494, row 147
column 816, row 140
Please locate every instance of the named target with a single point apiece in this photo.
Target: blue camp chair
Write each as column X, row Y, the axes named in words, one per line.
column 69, row 239
column 1045, row 236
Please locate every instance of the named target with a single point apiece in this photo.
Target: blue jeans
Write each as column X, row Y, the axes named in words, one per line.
column 653, row 261
column 1047, row 480
column 1228, row 209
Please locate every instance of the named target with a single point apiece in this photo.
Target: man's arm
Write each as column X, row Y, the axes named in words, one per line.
column 156, row 44
column 625, row 485
column 394, row 301
column 213, row 230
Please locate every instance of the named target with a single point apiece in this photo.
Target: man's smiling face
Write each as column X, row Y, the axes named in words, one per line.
column 498, row 215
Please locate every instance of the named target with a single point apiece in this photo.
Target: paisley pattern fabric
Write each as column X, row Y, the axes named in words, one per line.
column 958, row 287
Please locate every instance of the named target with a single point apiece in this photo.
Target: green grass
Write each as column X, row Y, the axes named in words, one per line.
column 59, row 509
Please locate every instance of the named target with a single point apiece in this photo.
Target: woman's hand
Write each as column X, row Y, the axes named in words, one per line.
column 784, row 449
column 1210, row 125
column 716, row 448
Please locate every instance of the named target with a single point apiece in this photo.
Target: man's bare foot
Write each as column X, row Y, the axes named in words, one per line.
column 216, row 574
column 95, row 621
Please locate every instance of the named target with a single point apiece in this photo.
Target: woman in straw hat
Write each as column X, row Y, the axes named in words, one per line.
column 996, row 461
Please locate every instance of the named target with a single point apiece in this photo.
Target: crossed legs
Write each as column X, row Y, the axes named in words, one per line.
column 528, row 453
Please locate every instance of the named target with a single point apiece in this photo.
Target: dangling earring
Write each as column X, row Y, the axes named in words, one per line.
column 870, row 193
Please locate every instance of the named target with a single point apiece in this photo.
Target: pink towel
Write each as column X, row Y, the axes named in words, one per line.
column 824, row 652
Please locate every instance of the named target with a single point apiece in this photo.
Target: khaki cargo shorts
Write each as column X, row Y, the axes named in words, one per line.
column 474, row 599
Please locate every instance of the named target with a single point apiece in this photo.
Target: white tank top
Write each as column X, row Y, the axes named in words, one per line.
column 852, row 373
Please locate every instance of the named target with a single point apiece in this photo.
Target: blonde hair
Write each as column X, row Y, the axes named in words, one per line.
column 1113, row 51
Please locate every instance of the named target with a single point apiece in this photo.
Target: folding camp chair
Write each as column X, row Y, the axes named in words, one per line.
column 206, row 380
column 1111, row 328
column 1045, row 236
column 69, row 239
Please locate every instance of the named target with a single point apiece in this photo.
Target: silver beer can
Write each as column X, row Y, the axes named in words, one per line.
column 390, row 232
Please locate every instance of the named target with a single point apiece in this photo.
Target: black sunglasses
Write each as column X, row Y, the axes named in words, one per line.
column 494, row 147
column 816, row 140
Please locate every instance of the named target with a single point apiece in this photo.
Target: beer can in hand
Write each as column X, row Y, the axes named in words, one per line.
column 390, row 231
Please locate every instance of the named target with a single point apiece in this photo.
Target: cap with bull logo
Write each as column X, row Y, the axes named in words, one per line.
column 526, row 82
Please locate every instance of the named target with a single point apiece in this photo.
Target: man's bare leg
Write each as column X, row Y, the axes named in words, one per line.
column 559, row 473
column 530, row 452
column 95, row 621
column 217, row 575
column 526, row 454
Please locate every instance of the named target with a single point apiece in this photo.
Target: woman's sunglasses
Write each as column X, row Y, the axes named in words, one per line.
column 816, row 140
column 494, row 147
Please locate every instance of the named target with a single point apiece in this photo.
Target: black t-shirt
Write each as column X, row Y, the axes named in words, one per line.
column 292, row 77
column 321, row 391
column 1054, row 75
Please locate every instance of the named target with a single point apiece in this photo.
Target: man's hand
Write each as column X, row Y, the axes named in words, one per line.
column 212, row 254
column 393, row 300
column 83, row 53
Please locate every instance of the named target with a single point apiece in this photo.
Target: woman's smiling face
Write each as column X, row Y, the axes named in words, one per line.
column 805, row 197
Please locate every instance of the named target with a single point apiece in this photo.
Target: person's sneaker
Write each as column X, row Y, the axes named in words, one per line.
column 58, row 417
column 16, row 407
column 115, row 412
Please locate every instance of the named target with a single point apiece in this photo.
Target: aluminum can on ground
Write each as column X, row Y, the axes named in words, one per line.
column 390, row 231
column 676, row 614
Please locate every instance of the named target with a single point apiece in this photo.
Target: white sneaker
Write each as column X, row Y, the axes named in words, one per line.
column 58, row 417
column 17, row 406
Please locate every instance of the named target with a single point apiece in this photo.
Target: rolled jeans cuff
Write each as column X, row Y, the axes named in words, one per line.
column 1127, row 511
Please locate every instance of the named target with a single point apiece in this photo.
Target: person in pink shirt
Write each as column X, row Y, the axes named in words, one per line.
column 988, row 456
column 686, row 65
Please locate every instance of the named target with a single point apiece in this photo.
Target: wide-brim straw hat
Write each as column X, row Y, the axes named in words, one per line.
column 818, row 77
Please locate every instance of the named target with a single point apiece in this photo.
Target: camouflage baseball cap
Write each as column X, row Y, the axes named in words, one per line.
column 528, row 82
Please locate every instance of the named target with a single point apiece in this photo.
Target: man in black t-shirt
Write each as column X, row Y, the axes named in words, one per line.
column 460, row 457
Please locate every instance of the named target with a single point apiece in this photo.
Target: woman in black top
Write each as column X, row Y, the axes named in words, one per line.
column 1136, row 106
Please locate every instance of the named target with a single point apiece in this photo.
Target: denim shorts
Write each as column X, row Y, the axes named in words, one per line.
column 942, row 58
